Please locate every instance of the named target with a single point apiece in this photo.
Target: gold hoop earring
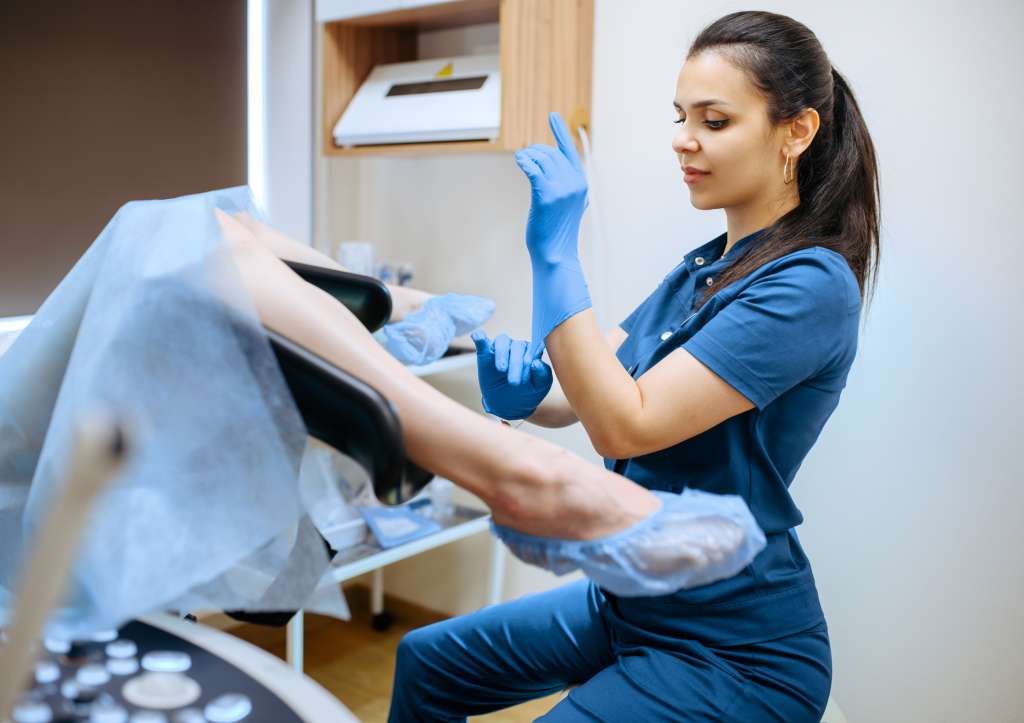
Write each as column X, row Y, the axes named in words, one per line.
column 787, row 177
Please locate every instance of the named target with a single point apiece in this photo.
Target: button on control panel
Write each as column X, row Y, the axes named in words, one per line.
column 142, row 674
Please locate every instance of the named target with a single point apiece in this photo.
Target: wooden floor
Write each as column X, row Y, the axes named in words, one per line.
column 356, row 663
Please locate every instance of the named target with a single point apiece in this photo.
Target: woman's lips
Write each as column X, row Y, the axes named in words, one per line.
column 692, row 175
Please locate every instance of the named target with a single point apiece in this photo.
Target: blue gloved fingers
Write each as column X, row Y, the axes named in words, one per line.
column 502, row 344
column 549, row 156
column 564, row 138
column 541, row 159
column 528, row 166
column 482, row 343
column 515, row 363
column 541, row 373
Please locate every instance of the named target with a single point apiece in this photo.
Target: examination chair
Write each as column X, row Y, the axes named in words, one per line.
column 217, row 677
column 342, row 411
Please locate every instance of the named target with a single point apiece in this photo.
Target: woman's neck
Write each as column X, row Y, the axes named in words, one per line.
column 745, row 220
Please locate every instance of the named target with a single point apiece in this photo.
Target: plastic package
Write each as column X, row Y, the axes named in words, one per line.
column 154, row 323
column 695, row 538
column 326, row 493
column 394, row 526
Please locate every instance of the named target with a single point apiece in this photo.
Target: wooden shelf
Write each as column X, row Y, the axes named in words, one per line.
column 451, row 14
column 546, row 65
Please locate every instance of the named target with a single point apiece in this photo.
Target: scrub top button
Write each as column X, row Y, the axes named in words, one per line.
column 709, row 281
column 666, row 335
column 699, row 261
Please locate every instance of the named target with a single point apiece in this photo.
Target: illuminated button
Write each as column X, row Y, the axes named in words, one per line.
column 122, row 649
column 103, row 636
column 666, row 335
column 70, row 689
column 228, row 708
column 108, row 713
column 709, row 281
column 93, row 675
column 32, row 712
column 166, row 661
column 123, row 666
column 161, row 690
column 189, row 715
column 56, row 645
column 699, row 261
column 47, row 671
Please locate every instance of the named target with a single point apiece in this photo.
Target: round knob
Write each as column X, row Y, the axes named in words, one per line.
column 228, row 708
column 123, row 666
column 166, row 661
column 103, row 636
column 122, row 649
column 31, row 712
column 161, row 690
column 47, row 671
column 93, row 675
column 56, row 645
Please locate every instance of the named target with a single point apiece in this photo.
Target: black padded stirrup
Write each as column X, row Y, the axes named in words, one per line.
column 366, row 297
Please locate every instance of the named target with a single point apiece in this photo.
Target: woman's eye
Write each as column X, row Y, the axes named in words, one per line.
column 715, row 125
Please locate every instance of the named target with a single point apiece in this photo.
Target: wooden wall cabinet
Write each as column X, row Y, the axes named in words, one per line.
column 546, row 65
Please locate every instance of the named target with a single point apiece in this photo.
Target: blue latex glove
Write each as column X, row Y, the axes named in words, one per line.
column 557, row 202
column 512, row 382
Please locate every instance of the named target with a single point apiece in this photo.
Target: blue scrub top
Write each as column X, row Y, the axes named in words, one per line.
column 784, row 337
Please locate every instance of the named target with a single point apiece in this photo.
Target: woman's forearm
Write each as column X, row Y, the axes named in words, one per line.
column 603, row 395
column 555, row 411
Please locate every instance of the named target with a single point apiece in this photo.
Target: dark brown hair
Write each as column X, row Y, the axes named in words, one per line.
column 837, row 176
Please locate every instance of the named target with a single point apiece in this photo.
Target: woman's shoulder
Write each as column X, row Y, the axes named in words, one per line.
column 818, row 271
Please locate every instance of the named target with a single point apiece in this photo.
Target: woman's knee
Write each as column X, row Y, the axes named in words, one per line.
column 420, row 653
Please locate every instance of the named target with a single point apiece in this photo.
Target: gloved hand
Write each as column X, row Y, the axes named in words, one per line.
column 557, row 202
column 513, row 383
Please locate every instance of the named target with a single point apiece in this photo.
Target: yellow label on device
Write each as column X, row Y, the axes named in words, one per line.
column 445, row 72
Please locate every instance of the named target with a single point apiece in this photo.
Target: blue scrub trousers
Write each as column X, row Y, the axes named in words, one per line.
column 540, row 644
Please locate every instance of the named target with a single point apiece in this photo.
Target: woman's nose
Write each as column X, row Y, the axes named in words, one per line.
column 683, row 140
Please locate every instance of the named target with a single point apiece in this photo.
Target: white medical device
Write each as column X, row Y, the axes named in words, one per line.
column 449, row 99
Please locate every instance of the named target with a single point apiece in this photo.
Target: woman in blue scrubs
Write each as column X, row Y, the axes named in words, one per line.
column 721, row 381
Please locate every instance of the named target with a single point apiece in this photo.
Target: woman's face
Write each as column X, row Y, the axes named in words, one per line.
column 724, row 131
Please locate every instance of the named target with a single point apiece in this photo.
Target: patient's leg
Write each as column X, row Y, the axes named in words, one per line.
column 404, row 299
column 529, row 484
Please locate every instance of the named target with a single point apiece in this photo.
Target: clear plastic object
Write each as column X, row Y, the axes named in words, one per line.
column 693, row 539
column 154, row 322
column 423, row 336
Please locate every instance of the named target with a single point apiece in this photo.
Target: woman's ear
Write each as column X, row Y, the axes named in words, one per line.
column 800, row 131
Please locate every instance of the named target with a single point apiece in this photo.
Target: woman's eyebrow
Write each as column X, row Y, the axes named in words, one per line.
column 701, row 103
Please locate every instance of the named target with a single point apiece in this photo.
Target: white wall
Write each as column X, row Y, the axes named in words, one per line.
column 288, row 115
column 912, row 495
